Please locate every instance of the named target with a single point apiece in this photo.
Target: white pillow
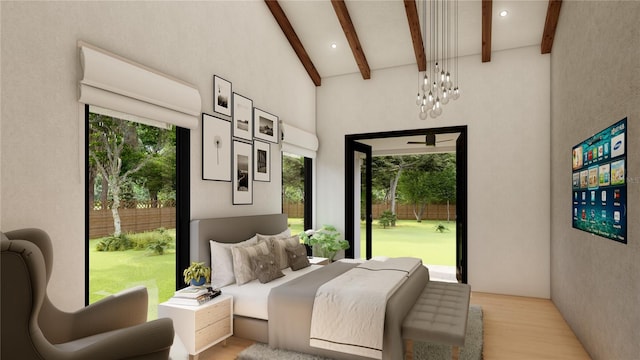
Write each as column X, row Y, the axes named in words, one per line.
column 222, row 261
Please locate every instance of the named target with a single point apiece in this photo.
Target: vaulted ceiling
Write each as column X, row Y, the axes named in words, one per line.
column 337, row 37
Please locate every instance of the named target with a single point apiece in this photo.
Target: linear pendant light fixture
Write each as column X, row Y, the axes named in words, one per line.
column 439, row 83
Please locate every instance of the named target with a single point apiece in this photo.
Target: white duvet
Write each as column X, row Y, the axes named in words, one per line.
column 349, row 310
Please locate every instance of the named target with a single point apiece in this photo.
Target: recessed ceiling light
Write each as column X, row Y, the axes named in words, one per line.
column 334, row 45
column 504, row 13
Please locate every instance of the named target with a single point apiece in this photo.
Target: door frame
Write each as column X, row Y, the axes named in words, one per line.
column 352, row 145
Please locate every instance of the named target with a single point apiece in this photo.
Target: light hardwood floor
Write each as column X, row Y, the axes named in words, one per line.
column 514, row 328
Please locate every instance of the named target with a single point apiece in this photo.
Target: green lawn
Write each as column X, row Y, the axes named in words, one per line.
column 407, row 238
column 111, row 272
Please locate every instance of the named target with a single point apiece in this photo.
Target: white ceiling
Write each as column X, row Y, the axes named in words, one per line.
column 383, row 30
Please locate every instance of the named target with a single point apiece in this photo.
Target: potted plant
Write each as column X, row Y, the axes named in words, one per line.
column 326, row 241
column 197, row 274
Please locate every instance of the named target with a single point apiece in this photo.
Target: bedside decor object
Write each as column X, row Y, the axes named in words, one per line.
column 261, row 161
column 216, row 148
column 197, row 274
column 242, row 117
column 221, row 96
column 326, row 241
column 265, row 126
column 242, row 174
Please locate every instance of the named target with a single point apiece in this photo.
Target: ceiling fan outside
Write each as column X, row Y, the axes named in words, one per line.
column 430, row 140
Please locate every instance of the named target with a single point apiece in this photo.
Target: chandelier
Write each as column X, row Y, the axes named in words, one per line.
column 439, row 83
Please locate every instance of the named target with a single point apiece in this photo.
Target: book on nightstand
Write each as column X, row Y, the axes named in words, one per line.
column 194, row 297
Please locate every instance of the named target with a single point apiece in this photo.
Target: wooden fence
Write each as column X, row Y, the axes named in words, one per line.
column 132, row 220
column 404, row 212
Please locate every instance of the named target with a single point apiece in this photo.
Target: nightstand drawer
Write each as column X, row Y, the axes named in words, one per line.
column 213, row 332
column 213, row 313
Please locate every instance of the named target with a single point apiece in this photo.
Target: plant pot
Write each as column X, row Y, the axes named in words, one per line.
column 199, row 282
column 309, row 250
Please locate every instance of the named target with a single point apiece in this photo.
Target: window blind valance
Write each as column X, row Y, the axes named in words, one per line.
column 113, row 82
column 298, row 141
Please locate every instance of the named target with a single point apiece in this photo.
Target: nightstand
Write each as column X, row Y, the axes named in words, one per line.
column 318, row 261
column 200, row 327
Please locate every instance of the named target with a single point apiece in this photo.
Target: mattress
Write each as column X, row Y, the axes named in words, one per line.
column 251, row 299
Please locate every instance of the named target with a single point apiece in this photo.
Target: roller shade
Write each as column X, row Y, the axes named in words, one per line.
column 113, row 82
column 298, row 141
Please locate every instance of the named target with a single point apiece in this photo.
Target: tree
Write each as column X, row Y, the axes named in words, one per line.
column 117, row 152
column 417, row 188
column 293, row 178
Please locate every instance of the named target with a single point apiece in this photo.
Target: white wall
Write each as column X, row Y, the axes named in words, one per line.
column 42, row 130
column 505, row 104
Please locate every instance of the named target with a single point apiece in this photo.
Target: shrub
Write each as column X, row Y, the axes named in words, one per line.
column 160, row 242
column 441, row 228
column 114, row 243
column 387, row 218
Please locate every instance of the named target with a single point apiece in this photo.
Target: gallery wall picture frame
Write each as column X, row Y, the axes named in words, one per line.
column 221, row 96
column 216, row 148
column 261, row 161
column 265, row 126
column 242, row 173
column 242, row 117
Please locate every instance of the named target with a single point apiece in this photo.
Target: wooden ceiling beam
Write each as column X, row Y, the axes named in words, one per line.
column 352, row 37
column 550, row 24
column 296, row 44
column 411, row 8
column 487, row 14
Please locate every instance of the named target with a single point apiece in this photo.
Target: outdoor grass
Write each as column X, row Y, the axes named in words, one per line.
column 407, row 238
column 111, row 272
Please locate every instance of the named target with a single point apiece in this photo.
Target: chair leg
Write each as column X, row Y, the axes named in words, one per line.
column 408, row 346
column 455, row 352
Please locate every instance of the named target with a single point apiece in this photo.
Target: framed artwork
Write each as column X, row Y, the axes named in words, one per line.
column 243, row 173
column 265, row 126
column 242, row 117
column 221, row 96
column 261, row 161
column 216, row 148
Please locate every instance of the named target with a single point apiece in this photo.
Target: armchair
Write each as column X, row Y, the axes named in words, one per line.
column 33, row 328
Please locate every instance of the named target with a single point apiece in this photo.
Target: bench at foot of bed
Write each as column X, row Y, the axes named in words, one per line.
column 439, row 316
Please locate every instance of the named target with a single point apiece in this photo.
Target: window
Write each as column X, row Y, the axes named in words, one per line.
column 132, row 207
column 297, row 191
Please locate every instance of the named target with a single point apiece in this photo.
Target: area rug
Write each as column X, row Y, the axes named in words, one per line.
column 472, row 349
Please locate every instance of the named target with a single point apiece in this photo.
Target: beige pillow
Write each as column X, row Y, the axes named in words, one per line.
column 222, row 262
column 278, row 245
column 242, row 266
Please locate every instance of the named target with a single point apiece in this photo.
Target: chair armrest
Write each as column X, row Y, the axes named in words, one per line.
column 132, row 342
column 124, row 309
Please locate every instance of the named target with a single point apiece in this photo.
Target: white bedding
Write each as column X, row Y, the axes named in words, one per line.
column 349, row 310
column 251, row 299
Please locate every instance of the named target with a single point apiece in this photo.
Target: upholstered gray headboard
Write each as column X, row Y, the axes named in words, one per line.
column 230, row 230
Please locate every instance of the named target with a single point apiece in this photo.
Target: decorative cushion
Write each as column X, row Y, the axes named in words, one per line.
column 278, row 245
column 285, row 234
column 297, row 256
column 266, row 268
column 242, row 255
column 222, row 262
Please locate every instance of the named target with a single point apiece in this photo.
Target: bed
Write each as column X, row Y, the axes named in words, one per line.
column 282, row 317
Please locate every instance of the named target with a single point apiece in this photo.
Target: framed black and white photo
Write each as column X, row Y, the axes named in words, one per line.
column 221, row 96
column 216, row 148
column 242, row 117
column 242, row 173
column 265, row 126
column 261, row 161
